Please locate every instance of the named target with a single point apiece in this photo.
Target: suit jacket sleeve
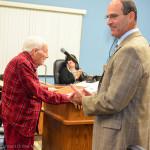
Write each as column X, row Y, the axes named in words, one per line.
column 119, row 84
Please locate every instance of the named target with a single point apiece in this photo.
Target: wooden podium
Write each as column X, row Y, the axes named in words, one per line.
column 66, row 128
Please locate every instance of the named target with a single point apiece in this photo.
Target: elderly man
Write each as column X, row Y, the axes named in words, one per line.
column 122, row 105
column 22, row 95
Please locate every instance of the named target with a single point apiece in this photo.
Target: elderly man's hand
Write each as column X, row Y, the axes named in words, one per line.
column 77, row 96
column 77, row 106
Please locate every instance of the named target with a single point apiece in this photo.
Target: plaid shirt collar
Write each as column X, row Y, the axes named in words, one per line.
column 28, row 56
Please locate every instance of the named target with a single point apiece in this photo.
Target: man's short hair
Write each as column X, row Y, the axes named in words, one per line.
column 129, row 6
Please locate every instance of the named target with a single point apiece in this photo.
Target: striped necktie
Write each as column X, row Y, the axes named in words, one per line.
column 116, row 46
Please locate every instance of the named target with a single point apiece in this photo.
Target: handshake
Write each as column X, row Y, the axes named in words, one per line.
column 77, row 96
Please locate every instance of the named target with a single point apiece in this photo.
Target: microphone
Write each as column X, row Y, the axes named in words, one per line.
column 74, row 60
column 68, row 55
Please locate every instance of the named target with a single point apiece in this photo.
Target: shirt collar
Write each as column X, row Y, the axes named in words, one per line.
column 30, row 59
column 126, row 34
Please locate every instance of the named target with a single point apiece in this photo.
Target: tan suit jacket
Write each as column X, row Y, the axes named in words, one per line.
column 122, row 107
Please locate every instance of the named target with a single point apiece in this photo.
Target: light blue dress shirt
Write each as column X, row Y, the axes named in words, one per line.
column 126, row 34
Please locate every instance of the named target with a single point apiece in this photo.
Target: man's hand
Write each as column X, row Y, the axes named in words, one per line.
column 77, row 96
column 77, row 106
column 87, row 93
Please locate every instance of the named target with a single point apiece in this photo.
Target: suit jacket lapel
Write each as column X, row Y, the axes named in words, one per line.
column 127, row 39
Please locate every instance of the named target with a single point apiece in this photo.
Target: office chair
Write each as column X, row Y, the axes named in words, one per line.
column 135, row 147
column 58, row 65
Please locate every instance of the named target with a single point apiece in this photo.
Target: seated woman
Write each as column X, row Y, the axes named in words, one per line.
column 69, row 74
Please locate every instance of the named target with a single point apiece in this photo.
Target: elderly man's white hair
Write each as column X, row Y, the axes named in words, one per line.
column 33, row 42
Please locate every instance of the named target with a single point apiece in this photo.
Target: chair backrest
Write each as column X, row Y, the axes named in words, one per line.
column 58, row 65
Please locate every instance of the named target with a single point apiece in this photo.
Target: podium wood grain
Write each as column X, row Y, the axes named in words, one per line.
column 58, row 136
column 66, row 128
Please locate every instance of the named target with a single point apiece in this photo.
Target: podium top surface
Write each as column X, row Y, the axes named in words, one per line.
column 66, row 113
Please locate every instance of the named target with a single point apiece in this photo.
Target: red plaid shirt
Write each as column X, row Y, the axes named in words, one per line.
column 22, row 95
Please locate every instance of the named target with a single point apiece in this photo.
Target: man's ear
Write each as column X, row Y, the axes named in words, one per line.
column 33, row 53
column 132, row 15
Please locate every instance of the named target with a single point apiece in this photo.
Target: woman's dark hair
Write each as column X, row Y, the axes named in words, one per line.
column 67, row 59
column 129, row 6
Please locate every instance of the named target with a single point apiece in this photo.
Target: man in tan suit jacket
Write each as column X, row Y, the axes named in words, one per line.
column 122, row 105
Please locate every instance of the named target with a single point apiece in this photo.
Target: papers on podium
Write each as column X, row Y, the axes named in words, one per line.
column 91, row 87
